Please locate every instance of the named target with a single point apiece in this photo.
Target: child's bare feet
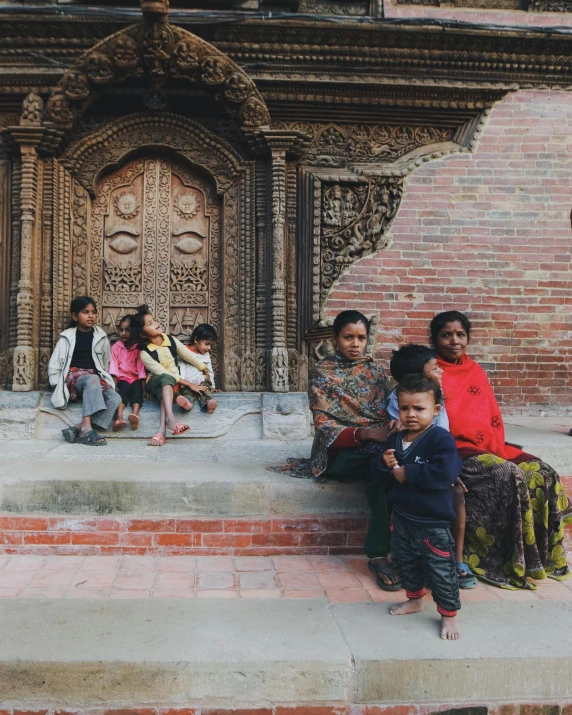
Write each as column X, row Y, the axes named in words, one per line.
column 449, row 628
column 412, row 605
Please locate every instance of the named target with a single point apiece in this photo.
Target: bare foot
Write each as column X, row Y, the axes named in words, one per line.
column 449, row 628
column 412, row 605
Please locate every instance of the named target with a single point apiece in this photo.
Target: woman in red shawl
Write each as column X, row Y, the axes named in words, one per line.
column 516, row 505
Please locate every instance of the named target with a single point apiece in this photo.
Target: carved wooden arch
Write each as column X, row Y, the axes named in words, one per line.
column 90, row 157
column 157, row 53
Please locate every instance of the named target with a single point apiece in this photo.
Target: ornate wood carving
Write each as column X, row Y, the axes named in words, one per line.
column 156, row 52
column 355, row 217
column 5, row 245
column 89, row 157
column 334, row 145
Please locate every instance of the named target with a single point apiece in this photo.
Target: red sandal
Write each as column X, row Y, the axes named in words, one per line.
column 157, row 440
column 180, row 428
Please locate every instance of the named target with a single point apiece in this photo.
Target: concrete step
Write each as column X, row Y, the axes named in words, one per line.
column 239, row 415
column 237, row 653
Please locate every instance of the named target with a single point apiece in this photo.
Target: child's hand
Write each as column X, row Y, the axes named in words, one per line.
column 197, row 388
column 399, row 474
column 459, row 483
column 389, row 459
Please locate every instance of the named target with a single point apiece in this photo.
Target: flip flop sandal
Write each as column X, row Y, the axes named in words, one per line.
column 133, row 421
column 211, row 406
column 92, row 439
column 71, row 434
column 387, row 570
column 465, row 577
column 157, row 440
column 184, row 403
column 118, row 425
column 180, row 428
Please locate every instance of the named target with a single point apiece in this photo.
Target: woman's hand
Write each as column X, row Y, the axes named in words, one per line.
column 395, row 426
column 389, row 459
column 374, row 434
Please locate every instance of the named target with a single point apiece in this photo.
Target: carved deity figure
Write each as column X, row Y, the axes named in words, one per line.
column 333, row 207
column 32, row 109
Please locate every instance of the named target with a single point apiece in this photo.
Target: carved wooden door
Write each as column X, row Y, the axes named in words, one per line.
column 155, row 239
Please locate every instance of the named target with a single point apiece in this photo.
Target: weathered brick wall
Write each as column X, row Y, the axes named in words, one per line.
column 392, row 9
column 487, row 233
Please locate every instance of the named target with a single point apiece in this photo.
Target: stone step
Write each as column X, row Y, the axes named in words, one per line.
column 239, row 415
column 191, row 496
column 74, row 654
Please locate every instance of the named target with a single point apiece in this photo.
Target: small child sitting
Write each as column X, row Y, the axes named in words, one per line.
column 203, row 338
column 415, row 360
column 161, row 355
column 420, row 360
column 129, row 374
column 425, row 464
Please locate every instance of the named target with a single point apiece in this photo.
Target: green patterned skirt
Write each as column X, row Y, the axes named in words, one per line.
column 515, row 521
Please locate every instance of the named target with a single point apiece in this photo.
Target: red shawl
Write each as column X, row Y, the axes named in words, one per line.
column 475, row 418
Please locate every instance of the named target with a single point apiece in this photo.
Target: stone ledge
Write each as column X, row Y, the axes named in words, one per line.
column 247, row 415
column 248, row 654
column 191, row 489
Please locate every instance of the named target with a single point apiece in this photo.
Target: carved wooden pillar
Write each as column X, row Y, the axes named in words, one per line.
column 28, row 135
column 278, row 351
column 276, row 144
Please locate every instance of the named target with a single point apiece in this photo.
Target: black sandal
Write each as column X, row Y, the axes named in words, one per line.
column 92, row 439
column 71, row 434
column 388, row 570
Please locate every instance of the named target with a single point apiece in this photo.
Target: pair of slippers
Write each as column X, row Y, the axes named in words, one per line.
column 158, row 440
column 122, row 424
column 90, row 439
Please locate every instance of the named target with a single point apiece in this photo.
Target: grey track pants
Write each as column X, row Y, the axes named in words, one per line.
column 97, row 403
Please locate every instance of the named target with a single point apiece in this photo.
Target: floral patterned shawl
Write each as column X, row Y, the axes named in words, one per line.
column 344, row 393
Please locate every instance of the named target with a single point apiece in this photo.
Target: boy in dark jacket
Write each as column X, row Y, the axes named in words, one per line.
column 424, row 463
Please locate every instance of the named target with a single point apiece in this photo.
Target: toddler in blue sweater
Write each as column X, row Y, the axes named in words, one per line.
column 424, row 464
column 420, row 360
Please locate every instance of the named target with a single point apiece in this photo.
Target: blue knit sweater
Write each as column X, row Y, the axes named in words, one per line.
column 432, row 465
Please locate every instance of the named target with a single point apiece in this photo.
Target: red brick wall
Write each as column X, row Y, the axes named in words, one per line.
column 522, row 18
column 487, row 233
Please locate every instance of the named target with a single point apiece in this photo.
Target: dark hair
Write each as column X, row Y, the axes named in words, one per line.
column 123, row 318
column 419, row 383
column 346, row 317
column 137, row 323
column 203, row 331
column 449, row 316
column 78, row 304
column 409, row 360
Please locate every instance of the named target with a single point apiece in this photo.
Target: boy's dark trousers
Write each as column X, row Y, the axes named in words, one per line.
column 424, row 551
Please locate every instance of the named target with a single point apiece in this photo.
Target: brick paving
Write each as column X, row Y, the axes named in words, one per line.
column 340, row 579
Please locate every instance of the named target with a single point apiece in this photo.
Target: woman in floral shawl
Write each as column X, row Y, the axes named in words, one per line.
column 347, row 396
column 516, row 505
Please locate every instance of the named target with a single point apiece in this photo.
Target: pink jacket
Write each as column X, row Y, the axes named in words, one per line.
column 126, row 363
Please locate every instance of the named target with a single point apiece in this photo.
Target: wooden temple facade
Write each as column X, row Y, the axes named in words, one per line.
column 223, row 162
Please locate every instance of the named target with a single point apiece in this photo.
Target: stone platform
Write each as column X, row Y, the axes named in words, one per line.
column 234, row 653
column 200, row 496
column 239, row 416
